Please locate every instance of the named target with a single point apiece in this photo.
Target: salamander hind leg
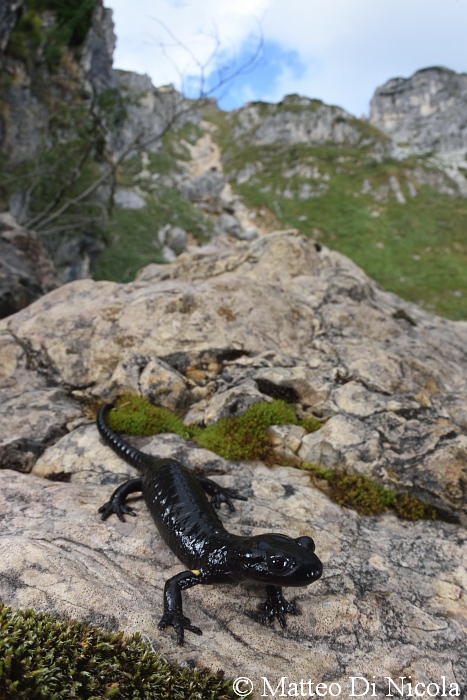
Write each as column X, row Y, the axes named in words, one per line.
column 276, row 606
column 173, row 609
column 220, row 494
column 117, row 500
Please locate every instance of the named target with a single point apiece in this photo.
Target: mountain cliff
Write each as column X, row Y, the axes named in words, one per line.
column 426, row 113
column 388, row 191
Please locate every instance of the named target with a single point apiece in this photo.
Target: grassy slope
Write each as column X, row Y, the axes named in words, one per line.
column 132, row 233
column 417, row 250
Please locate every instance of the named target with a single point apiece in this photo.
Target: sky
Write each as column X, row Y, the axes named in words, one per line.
column 338, row 51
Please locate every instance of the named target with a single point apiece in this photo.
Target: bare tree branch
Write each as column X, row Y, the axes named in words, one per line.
column 91, row 126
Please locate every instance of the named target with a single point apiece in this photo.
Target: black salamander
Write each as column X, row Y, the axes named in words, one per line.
column 190, row 526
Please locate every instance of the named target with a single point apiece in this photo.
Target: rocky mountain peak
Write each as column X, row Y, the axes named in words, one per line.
column 295, row 120
column 424, row 113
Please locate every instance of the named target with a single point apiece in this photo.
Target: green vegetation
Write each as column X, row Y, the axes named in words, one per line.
column 65, row 166
column 240, row 437
column 417, row 250
column 132, row 234
column 26, row 37
column 246, row 436
column 46, row 659
column 369, row 498
column 72, row 22
column 134, row 415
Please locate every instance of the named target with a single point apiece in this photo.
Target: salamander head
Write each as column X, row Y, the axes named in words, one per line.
column 276, row 559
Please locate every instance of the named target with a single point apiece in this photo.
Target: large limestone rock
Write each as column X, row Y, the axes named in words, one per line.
column 220, row 328
column 33, row 97
column 296, row 120
column 390, row 377
column 391, row 601
column 425, row 112
column 26, row 270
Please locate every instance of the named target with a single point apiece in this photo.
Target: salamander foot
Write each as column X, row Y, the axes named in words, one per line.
column 117, row 500
column 120, row 509
column 220, row 494
column 276, row 605
column 180, row 623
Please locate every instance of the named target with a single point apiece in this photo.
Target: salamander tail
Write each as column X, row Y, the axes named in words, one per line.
column 123, row 449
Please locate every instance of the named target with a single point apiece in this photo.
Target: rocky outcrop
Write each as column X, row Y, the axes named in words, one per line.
column 426, row 114
column 389, row 377
column 151, row 112
column 296, row 120
column 222, row 327
column 98, row 50
column 44, row 105
column 26, row 270
column 31, row 97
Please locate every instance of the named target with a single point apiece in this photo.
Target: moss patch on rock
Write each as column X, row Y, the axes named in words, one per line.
column 367, row 497
column 135, row 415
column 41, row 657
column 246, row 436
column 241, row 437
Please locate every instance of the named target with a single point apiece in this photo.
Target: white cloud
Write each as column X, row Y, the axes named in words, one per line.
column 195, row 24
column 347, row 47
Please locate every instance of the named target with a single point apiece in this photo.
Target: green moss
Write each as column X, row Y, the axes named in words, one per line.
column 367, row 497
column 318, row 470
column 242, row 437
column 312, row 424
column 135, row 415
column 357, row 491
column 246, row 436
column 408, row 507
column 46, row 659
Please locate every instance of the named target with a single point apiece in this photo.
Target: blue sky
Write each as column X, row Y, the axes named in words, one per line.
column 338, row 51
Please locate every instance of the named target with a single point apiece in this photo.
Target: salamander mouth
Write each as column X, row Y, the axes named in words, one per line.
column 308, row 576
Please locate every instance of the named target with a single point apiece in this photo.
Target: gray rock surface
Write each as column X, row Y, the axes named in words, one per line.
column 221, row 328
column 149, row 111
column 98, row 49
column 174, row 237
column 205, row 190
column 389, row 376
column 426, row 112
column 391, row 601
column 295, row 120
column 127, row 199
column 26, row 270
column 28, row 99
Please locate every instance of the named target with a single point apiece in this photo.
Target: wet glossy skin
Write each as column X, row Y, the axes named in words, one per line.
column 189, row 524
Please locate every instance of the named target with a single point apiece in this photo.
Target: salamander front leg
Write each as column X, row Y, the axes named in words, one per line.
column 173, row 609
column 276, row 605
column 117, row 500
column 220, row 494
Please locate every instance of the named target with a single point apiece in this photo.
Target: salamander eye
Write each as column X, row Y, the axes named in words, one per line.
column 306, row 542
column 279, row 564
